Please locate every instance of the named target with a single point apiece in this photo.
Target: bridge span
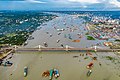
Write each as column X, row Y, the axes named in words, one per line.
column 62, row 49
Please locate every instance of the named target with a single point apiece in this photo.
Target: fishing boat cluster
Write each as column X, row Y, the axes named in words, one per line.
column 50, row 73
column 91, row 64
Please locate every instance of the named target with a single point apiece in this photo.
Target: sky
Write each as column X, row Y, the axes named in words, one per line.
column 70, row 5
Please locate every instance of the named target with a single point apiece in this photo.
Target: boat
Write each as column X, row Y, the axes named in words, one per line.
column 51, row 74
column 76, row 41
column 46, row 74
column 90, row 65
column 25, row 71
column 56, row 73
column 89, row 73
column 45, row 44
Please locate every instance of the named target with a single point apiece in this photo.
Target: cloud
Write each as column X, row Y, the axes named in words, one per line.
column 32, row 1
column 35, row 1
column 97, row 4
column 85, row 1
column 61, row 4
column 77, row 1
column 115, row 2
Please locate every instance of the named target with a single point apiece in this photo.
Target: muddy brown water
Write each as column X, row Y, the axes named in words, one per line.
column 70, row 68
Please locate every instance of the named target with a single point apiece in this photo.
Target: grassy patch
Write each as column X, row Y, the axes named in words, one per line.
column 117, row 40
column 10, row 34
column 109, row 58
column 18, row 38
column 90, row 38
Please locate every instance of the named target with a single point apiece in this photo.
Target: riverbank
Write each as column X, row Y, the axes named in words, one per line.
column 4, row 54
column 17, row 26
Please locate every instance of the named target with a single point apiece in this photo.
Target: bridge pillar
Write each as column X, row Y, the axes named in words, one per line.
column 66, row 47
column 95, row 48
column 39, row 48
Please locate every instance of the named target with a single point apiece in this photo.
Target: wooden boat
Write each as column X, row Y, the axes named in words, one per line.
column 46, row 73
column 89, row 73
column 76, row 41
column 90, row 65
column 51, row 74
column 56, row 73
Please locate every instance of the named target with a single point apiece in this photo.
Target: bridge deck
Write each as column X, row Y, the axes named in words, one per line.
column 63, row 49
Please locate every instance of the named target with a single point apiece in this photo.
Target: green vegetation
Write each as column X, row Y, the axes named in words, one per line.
column 109, row 57
column 93, row 51
column 10, row 34
column 86, row 57
column 112, row 59
column 17, row 38
column 90, row 38
column 117, row 40
column 16, row 26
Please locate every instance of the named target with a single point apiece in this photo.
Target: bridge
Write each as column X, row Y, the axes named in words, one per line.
column 7, row 51
column 60, row 49
column 66, row 48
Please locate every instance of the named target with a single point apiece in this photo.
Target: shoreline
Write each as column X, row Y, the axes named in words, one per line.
column 4, row 55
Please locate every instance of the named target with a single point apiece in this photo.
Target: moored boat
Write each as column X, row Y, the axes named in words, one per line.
column 56, row 73
column 51, row 74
